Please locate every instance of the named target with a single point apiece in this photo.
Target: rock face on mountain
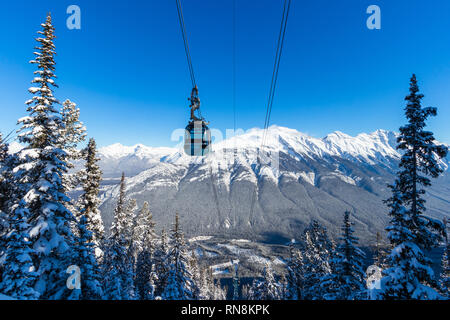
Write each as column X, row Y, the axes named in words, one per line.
column 238, row 191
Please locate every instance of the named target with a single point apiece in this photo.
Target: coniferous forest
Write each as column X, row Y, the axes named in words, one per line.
column 48, row 236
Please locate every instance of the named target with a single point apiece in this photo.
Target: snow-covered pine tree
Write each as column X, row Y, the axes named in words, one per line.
column 19, row 274
column 196, row 275
column 145, row 244
column 129, row 223
column 236, row 281
column 144, row 235
column 211, row 288
column 161, row 265
column 145, row 276
column 347, row 280
column 219, row 293
column 3, row 193
column 124, row 215
column 3, row 155
column 205, row 283
column 118, row 268
column 89, row 269
column 89, row 201
column 444, row 279
column 39, row 176
column 179, row 283
column 3, row 149
column 317, row 250
column 73, row 133
column 266, row 288
column 380, row 258
column 409, row 275
column 294, row 277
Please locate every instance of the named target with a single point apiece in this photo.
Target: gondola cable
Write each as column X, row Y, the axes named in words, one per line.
column 186, row 44
column 280, row 44
column 279, row 51
column 191, row 129
column 197, row 140
column 10, row 136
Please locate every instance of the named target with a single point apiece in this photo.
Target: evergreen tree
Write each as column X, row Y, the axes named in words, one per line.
column 3, row 149
column 207, row 287
column 4, row 191
column 89, row 201
column 179, row 283
column 219, row 293
column 409, row 275
column 38, row 178
column 294, row 278
column 444, row 279
column 19, row 273
column 89, row 269
column 161, row 264
column 145, row 243
column 118, row 264
column 347, row 280
column 199, row 290
column 380, row 253
column 145, row 276
column 266, row 288
column 144, row 229
column 124, row 211
column 73, row 133
column 316, row 260
column 236, row 281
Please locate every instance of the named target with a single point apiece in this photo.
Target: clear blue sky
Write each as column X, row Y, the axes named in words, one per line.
column 126, row 67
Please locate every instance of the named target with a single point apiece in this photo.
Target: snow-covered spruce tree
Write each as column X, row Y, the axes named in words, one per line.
column 3, row 155
column 118, row 268
column 3, row 149
column 145, row 244
column 219, row 293
column 409, row 275
column 196, row 274
column 39, row 176
column 179, row 283
column 19, row 274
column 205, row 283
column 89, row 269
column 144, row 235
column 347, row 280
column 381, row 254
column 236, row 281
column 146, row 278
column 444, row 279
column 211, row 289
column 317, row 250
column 294, row 277
column 4, row 193
column 89, row 201
column 266, row 288
column 161, row 264
column 73, row 133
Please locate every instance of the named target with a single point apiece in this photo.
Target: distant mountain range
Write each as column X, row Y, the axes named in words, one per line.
column 312, row 179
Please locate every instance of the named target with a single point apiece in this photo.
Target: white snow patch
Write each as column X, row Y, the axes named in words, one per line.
column 200, row 238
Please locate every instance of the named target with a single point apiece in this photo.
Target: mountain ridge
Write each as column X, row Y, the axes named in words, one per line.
column 314, row 178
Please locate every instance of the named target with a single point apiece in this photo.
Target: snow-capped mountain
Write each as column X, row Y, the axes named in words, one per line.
column 296, row 178
column 132, row 160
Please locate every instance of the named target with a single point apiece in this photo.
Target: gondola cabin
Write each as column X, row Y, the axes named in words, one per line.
column 197, row 139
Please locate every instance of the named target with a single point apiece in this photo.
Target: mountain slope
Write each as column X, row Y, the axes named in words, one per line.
column 235, row 193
